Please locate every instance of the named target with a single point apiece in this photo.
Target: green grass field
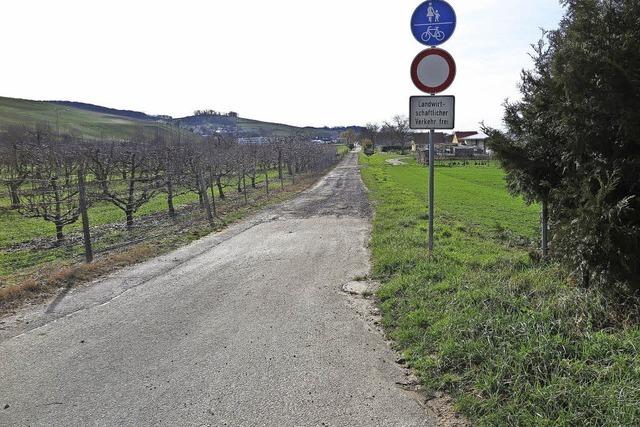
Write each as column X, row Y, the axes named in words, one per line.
column 342, row 149
column 512, row 340
column 20, row 112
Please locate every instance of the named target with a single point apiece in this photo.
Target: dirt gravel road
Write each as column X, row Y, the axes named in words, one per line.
column 247, row 327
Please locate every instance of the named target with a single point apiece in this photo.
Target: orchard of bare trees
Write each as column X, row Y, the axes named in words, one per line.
column 56, row 178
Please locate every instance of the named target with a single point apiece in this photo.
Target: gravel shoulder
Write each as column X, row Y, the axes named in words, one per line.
column 246, row 327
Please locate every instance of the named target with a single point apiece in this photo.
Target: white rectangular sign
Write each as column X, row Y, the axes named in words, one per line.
column 432, row 112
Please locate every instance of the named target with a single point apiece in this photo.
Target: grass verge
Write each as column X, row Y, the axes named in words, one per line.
column 513, row 341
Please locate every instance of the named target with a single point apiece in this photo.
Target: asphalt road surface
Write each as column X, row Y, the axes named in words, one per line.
column 247, row 327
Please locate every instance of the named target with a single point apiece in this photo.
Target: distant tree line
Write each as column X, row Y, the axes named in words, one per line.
column 392, row 135
column 57, row 177
column 573, row 142
column 214, row 113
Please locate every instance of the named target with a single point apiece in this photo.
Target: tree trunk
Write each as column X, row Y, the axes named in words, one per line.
column 205, row 199
column 213, row 197
column 220, row 192
column 59, row 234
column 266, row 180
column 58, row 210
column 15, row 198
column 545, row 229
column 86, row 232
column 172, row 209
column 132, row 183
column 586, row 277
column 129, row 214
column 244, row 188
column 253, row 181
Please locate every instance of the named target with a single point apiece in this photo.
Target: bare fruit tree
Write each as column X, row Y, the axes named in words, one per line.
column 16, row 150
column 129, row 174
column 398, row 131
column 52, row 190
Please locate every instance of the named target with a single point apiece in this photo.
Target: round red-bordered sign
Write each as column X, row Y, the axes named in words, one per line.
column 433, row 70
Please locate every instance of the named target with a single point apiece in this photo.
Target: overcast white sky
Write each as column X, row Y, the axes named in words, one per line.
column 328, row 62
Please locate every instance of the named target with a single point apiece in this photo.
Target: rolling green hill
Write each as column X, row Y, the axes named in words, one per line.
column 265, row 128
column 94, row 121
column 21, row 112
column 208, row 125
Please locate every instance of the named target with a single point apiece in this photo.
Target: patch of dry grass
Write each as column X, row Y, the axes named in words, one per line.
column 47, row 280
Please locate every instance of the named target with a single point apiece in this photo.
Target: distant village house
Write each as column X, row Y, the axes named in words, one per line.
column 459, row 145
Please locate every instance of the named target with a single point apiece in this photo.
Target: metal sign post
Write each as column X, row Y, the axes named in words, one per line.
column 432, row 71
column 430, row 113
column 432, row 184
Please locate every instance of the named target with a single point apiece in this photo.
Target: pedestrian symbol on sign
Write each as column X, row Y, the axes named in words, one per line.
column 433, row 22
column 432, row 13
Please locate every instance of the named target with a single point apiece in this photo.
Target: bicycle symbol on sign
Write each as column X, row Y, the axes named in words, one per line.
column 433, row 22
column 433, row 32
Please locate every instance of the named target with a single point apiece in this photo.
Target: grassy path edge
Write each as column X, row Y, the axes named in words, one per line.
column 514, row 341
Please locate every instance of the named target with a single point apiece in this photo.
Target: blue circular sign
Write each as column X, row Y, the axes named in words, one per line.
column 433, row 22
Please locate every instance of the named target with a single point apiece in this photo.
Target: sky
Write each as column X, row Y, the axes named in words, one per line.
column 301, row 62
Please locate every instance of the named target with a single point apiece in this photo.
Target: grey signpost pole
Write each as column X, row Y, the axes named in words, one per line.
column 432, row 170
